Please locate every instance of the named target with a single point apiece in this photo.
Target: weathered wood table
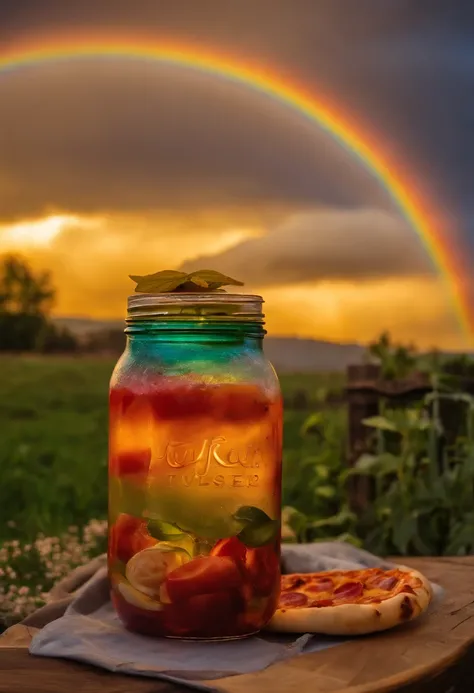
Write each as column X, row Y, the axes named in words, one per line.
column 433, row 655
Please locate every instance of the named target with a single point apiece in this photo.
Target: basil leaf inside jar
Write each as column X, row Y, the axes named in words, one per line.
column 259, row 529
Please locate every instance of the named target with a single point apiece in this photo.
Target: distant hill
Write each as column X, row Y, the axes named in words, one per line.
column 288, row 354
column 294, row 354
column 83, row 326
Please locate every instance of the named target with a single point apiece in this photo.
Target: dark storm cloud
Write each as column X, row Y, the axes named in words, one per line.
column 331, row 244
column 98, row 136
column 404, row 68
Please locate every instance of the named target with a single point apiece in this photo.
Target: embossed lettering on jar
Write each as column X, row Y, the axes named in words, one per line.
column 195, row 468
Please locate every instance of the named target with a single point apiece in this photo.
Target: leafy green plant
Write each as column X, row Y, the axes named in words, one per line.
column 315, row 499
column 396, row 360
column 424, row 494
column 423, row 478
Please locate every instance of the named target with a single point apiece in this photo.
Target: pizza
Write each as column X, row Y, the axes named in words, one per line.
column 350, row 602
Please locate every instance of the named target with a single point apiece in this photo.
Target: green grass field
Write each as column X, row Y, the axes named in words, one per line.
column 53, row 447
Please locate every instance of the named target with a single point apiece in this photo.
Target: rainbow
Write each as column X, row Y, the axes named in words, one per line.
column 288, row 93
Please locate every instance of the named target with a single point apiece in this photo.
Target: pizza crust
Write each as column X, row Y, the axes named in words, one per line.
column 356, row 619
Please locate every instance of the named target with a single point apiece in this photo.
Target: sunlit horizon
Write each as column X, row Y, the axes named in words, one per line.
column 90, row 258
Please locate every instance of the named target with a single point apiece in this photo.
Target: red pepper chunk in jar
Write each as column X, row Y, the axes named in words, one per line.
column 258, row 566
column 202, row 575
column 127, row 536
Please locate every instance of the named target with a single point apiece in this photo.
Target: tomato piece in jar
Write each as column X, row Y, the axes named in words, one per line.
column 263, row 568
column 128, row 536
column 259, row 567
column 202, row 575
column 231, row 547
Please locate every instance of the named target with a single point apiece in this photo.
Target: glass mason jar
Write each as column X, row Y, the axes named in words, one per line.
column 195, row 446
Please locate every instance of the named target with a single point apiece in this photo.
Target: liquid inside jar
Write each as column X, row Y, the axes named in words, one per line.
column 194, row 507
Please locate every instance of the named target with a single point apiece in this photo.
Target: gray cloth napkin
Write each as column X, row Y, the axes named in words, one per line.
column 85, row 627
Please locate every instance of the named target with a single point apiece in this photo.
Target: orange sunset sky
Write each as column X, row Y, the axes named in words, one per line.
column 122, row 167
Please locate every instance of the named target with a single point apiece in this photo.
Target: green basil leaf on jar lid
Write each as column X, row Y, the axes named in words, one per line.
column 160, row 282
column 198, row 281
column 213, row 279
column 254, row 536
column 169, row 281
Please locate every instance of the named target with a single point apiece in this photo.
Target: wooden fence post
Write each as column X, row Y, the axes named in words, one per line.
column 364, row 390
column 362, row 402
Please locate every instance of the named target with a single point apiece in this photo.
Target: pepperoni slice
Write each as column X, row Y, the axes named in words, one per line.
column 387, row 583
column 293, row 599
column 382, row 582
column 349, row 590
column 324, row 585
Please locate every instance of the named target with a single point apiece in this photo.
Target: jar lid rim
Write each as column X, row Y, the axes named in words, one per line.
column 138, row 300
